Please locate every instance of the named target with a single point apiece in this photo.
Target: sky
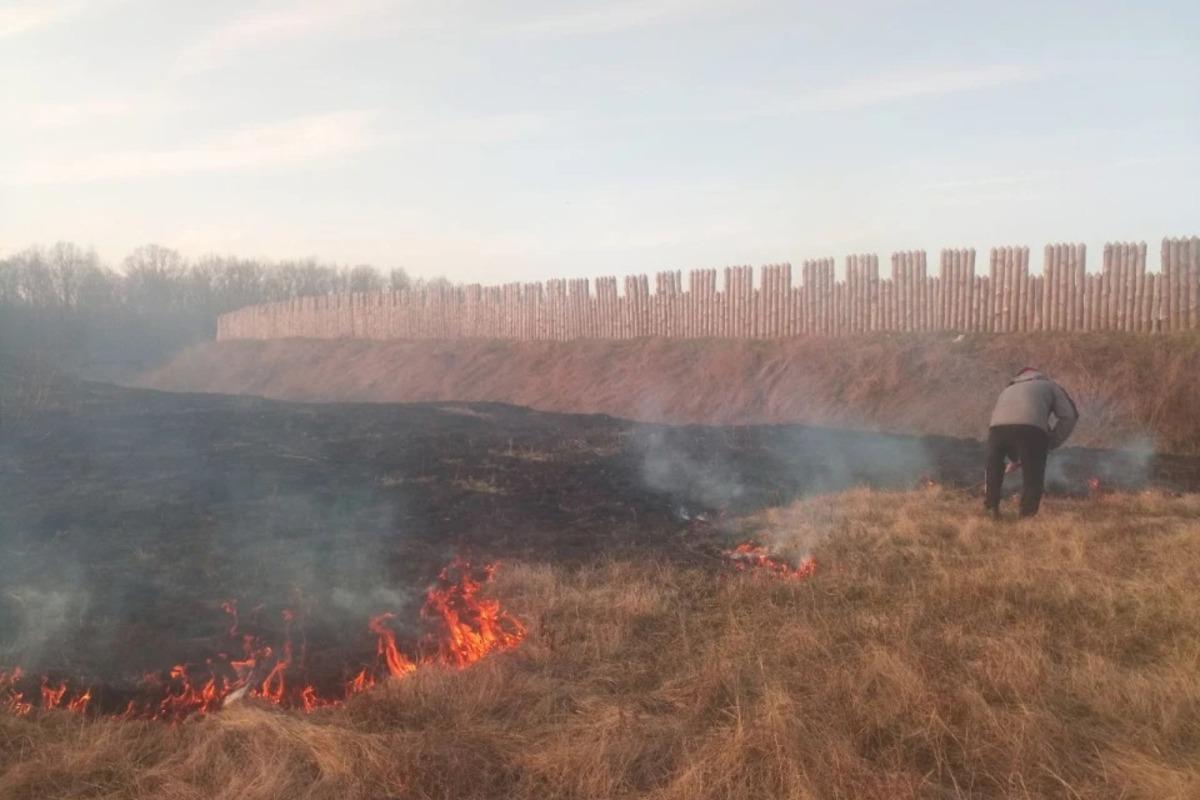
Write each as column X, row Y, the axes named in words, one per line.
column 490, row 142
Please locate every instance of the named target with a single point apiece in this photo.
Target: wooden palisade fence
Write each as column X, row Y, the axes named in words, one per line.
column 1123, row 296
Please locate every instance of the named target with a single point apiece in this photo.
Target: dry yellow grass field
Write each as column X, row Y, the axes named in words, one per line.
column 934, row 654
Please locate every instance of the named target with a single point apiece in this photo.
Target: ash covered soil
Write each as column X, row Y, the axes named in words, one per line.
column 127, row 517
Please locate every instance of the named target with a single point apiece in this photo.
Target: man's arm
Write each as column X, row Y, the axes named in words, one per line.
column 1066, row 412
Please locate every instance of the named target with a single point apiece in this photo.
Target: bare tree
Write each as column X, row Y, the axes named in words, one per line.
column 67, row 264
column 398, row 279
column 153, row 277
column 365, row 278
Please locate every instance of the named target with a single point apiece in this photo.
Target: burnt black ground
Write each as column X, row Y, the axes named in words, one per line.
column 128, row 516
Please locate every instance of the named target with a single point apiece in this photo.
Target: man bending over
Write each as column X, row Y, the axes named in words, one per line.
column 1021, row 431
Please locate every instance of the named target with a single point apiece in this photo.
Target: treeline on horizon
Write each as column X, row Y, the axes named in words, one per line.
column 63, row 303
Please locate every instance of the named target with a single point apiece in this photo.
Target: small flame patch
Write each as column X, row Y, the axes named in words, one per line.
column 749, row 556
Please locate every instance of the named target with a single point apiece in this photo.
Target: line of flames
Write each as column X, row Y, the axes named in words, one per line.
column 753, row 556
column 465, row 628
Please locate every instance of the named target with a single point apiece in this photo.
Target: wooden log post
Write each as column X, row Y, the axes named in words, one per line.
column 972, row 300
column 735, row 302
column 1106, row 284
column 776, row 328
column 1072, row 288
column 1147, row 297
column 835, row 295
column 1166, row 277
column 1114, row 292
column 724, row 327
column 818, row 299
column 1179, row 284
column 1054, row 264
column 910, row 294
column 851, row 284
column 1181, row 257
column 1014, row 288
column 870, row 294
column 1080, row 264
column 965, row 277
column 942, row 296
column 1066, row 286
column 873, row 292
column 754, row 297
column 994, row 290
column 1002, row 259
column 770, row 298
column 953, row 287
column 922, row 293
column 1116, row 278
column 1128, row 271
column 806, row 297
column 1023, row 291
column 734, row 297
column 822, row 298
column 1088, row 285
column 770, row 274
column 959, row 291
column 1193, row 284
column 1139, row 288
column 1156, row 305
column 906, row 291
column 1065, row 275
column 771, row 302
column 1119, row 252
column 939, row 298
column 832, row 294
column 712, row 306
column 918, row 290
column 1050, row 277
column 960, row 280
column 983, row 290
column 740, row 314
column 971, row 315
column 1133, row 289
column 863, row 293
column 786, row 300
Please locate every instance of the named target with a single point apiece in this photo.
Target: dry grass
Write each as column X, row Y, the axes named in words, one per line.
column 935, row 654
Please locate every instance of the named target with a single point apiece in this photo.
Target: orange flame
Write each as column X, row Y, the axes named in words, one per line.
column 753, row 556
column 469, row 627
column 12, row 700
column 472, row 626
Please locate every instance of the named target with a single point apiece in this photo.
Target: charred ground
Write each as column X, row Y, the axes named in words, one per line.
column 128, row 517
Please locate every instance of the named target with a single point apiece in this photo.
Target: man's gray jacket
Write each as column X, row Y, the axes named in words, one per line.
column 1030, row 400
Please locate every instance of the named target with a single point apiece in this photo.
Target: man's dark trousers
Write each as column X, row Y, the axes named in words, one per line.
column 1027, row 444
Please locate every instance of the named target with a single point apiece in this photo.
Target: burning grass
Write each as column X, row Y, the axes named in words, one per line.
column 933, row 653
column 464, row 627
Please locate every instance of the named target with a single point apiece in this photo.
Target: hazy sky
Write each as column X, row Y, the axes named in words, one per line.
column 520, row 140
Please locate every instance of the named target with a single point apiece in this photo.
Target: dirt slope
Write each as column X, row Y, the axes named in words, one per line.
column 1132, row 391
